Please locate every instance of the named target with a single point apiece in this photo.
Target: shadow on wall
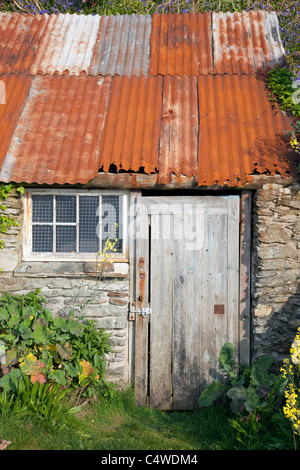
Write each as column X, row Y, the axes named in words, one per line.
column 274, row 329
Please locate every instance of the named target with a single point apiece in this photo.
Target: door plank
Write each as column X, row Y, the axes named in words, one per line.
column 161, row 317
column 233, row 272
column 141, row 300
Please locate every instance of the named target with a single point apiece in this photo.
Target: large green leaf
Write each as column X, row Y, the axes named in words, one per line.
column 211, row 393
column 64, row 350
column 4, row 316
column 42, row 334
column 226, row 357
column 75, row 327
column 71, row 370
column 59, row 376
column 12, row 380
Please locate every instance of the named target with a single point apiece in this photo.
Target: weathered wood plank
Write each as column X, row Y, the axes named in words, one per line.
column 161, row 317
column 233, row 272
column 141, row 296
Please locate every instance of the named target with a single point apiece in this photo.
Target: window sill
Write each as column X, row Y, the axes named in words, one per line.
column 72, row 268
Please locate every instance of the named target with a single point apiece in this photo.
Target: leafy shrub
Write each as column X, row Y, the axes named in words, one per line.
column 291, row 371
column 66, row 351
column 256, row 397
column 280, row 82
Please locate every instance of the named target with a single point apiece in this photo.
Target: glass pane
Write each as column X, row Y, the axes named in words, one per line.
column 65, row 239
column 88, row 221
column 42, row 208
column 112, row 221
column 42, row 238
column 66, row 209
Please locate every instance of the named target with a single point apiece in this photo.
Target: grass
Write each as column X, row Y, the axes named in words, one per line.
column 118, row 424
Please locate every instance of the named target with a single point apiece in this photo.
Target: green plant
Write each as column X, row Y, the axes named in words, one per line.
column 41, row 400
column 66, row 351
column 255, row 396
column 280, row 82
column 291, row 373
column 7, row 221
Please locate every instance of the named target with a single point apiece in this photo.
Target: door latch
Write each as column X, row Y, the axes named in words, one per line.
column 144, row 311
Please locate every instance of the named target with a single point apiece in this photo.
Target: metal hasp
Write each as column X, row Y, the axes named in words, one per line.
column 144, row 311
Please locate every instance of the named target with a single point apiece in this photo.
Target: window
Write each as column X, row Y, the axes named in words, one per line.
column 74, row 224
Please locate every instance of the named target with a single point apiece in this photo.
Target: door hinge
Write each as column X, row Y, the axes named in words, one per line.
column 133, row 311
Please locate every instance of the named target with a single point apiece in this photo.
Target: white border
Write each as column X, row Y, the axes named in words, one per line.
column 27, row 232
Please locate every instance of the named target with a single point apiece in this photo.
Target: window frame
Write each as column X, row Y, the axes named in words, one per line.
column 29, row 255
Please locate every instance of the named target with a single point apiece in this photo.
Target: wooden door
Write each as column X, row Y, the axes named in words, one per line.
column 186, row 303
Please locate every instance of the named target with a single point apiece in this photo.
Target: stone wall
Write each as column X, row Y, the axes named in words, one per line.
column 275, row 269
column 67, row 285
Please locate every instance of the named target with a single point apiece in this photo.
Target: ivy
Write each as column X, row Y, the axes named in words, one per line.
column 6, row 220
column 282, row 87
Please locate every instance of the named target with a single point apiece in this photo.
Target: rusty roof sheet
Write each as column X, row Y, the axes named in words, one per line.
column 246, row 42
column 14, row 91
column 131, row 133
column 126, row 45
column 56, row 139
column 181, row 44
column 122, row 46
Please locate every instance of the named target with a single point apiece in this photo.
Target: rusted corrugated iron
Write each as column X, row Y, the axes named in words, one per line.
column 130, row 140
column 246, row 42
column 43, row 44
column 67, row 45
column 14, row 92
column 58, row 134
column 193, row 106
column 180, row 44
column 122, row 46
column 20, row 36
column 179, row 128
column 217, row 129
column 126, row 45
column 240, row 133
column 74, row 44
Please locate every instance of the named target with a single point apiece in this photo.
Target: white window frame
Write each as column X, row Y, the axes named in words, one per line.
column 28, row 255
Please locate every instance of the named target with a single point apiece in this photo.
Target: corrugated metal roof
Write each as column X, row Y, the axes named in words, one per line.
column 122, row 46
column 126, row 45
column 20, row 36
column 164, row 95
column 181, row 44
column 16, row 89
column 219, row 129
column 57, row 137
column 246, row 42
column 131, row 132
column 240, row 133
column 67, row 45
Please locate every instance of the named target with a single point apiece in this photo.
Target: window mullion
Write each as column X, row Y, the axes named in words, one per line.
column 77, row 223
column 100, row 224
column 54, row 223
